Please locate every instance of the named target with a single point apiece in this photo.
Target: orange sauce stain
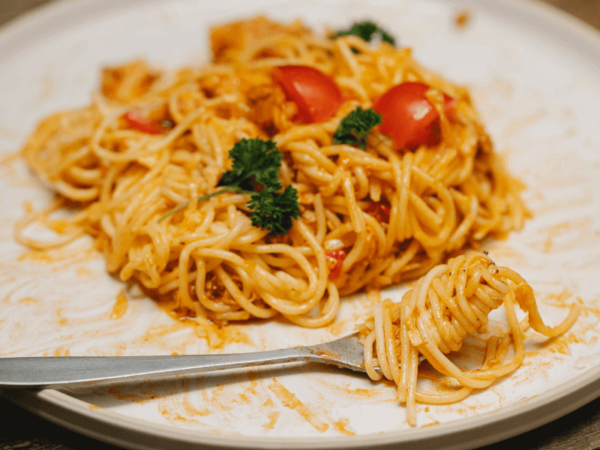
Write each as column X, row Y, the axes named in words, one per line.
column 342, row 426
column 83, row 272
column 360, row 309
column 61, row 320
column 547, row 246
column 70, row 256
column 586, row 310
column 176, row 409
column 244, row 399
column 562, row 205
column 142, row 393
column 273, row 416
column 327, row 354
column 120, row 395
column 376, row 393
column 159, row 335
column 501, row 253
column 580, row 232
column 11, row 157
column 27, row 207
column 217, row 338
column 337, row 327
column 249, row 392
column 268, row 403
column 560, row 299
column 61, row 351
column 539, row 369
column 191, row 410
column 437, row 378
column 566, row 235
column 252, row 377
column 171, row 416
column 432, row 424
column 494, row 389
column 232, row 334
column 161, row 331
column 561, row 344
column 94, row 407
column 538, row 360
column 120, row 307
column 218, row 398
column 8, row 296
column 291, row 401
column 29, row 300
column 462, row 18
column 560, row 347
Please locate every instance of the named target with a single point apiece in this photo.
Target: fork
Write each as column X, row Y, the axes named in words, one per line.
column 82, row 372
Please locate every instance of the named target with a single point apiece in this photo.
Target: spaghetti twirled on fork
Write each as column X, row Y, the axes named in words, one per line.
column 450, row 302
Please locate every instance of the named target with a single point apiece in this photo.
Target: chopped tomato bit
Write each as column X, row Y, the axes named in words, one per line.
column 335, row 260
column 409, row 117
column 380, row 211
column 140, row 122
column 316, row 95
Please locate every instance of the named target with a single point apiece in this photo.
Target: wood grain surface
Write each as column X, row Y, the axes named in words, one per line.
column 580, row 430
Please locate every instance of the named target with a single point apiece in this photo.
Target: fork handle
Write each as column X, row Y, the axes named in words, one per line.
column 76, row 372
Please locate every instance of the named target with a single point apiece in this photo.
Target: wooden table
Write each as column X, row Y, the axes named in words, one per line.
column 579, row 430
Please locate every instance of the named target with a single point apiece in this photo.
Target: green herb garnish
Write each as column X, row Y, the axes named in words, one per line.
column 255, row 171
column 355, row 127
column 254, row 160
column 273, row 210
column 366, row 31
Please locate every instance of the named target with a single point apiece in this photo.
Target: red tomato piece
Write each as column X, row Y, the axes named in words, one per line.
column 380, row 211
column 409, row 117
column 140, row 122
column 335, row 260
column 317, row 96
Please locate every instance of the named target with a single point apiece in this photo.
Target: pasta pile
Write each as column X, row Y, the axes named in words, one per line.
column 206, row 261
column 450, row 302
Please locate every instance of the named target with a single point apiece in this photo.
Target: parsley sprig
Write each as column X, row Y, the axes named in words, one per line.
column 255, row 171
column 254, row 160
column 273, row 210
column 366, row 31
column 355, row 127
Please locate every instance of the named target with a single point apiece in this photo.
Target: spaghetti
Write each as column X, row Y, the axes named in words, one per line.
column 433, row 318
column 153, row 140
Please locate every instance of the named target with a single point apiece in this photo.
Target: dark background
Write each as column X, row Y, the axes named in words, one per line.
column 579, row 430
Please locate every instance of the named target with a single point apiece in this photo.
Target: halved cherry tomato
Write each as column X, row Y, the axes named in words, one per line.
column 317, row 96
column 380, row 211
column 140, row 122
column 335, row 260
column 409, row 117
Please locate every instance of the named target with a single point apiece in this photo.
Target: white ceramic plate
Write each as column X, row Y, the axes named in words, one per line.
column 534, row 75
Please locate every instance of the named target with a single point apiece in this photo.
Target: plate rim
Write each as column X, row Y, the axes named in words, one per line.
column 483, row 429
column 133, row 433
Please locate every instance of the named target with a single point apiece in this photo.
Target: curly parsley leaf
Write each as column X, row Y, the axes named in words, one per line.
column 254, row 161
column 366, row 31
column 355, row 127
column 256, row 165
column 273, row 210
